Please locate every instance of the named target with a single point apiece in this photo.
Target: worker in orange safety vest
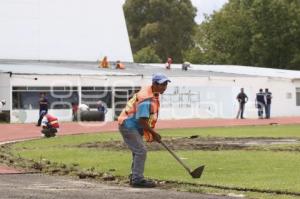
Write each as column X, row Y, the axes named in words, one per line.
column 119, row 65
column 138, row 119
column 104, row 63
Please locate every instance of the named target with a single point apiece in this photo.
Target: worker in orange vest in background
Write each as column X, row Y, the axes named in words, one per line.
column 104, row 63
column 120, row 65
column 169, row 62
column 50, row 125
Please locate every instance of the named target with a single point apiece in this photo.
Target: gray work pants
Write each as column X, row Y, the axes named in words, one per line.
column 134, row 141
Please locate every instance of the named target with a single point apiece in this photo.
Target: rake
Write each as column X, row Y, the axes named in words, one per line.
column 195, row 173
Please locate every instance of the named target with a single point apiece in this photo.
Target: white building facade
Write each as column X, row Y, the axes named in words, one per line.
column 194, row 94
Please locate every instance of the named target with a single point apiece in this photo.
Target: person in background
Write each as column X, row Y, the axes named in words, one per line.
column 74, row 111
column 138, row 119
column 185, row 66
column 50, row 125
column 43, row 103
column 268, row 96
column 104, row 63
column 242, row 99
column 168, row 63
column 2, row 103
column 102, row 109
column 260, row 103
column 83, row 107
column 119, row 65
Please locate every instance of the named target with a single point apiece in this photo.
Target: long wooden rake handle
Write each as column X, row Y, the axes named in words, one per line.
column 176, row 157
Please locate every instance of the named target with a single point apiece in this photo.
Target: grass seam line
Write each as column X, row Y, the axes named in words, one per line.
column 279, row 192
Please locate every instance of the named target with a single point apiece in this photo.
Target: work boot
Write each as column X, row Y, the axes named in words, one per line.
column 143, row 184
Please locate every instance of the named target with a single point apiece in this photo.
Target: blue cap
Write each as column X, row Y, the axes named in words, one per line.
column 160, row 78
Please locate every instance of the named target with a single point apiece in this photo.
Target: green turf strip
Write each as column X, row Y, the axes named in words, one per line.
column 261, row 170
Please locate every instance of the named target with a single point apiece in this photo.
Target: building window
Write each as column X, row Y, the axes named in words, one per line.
column 91, row 95
column 298, row 96
column 58, row 97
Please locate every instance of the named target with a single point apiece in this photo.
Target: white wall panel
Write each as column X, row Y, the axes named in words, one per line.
column 197, row 97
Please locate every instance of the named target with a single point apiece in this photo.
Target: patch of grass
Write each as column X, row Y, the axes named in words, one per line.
column 251, row 169
column 248, row 131
column 247, row 169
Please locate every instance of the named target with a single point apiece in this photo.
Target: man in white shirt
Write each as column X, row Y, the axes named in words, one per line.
column 83, row 111
column 83, row 107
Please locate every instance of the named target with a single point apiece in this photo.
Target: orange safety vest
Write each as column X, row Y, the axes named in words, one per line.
column 131, row 108
column 120, row 66
column 53, row 121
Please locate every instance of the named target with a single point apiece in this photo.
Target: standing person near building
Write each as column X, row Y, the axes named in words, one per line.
column 74, row 111
column 242, row 99
column 185, row 65
column 169, row 62
column 268, row 96
column 104, row 63
column 43, row 103
column 50, row 125
column 102, row 109
column 260, row 103
column 138, row 119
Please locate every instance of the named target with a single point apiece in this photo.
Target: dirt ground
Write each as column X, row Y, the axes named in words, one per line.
column 200, row 143
column 39, row 186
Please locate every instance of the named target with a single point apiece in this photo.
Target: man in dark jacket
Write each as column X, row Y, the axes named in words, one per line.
column 268, row 96
column 242, row 99
column 43, row 103
column 260, row 103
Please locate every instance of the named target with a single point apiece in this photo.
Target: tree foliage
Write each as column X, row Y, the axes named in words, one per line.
column 262, row 33
column 166, row 26
column 146, row 55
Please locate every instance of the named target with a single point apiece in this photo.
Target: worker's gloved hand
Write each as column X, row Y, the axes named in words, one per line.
column 157, row 137
column 150, row 137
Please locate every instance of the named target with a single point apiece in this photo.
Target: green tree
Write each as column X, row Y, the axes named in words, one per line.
column 224, row 37
column 146, row 55
column 262, row 33
column 165, row 25
column 274, row 42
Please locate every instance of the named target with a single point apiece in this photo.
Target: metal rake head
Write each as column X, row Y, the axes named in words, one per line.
column 197, row 172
